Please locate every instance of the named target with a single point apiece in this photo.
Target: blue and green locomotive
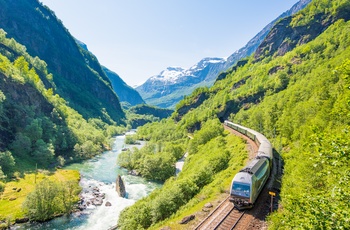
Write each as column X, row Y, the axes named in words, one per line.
column 248, row 182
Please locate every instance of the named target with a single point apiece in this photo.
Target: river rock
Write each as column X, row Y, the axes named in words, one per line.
column 108, row 204
column 97, row 201
column 120, row 187
column 134, row 173
column 187, row 219
column 22, row 220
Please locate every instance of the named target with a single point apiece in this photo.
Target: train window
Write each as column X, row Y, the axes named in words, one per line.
column 239, row 189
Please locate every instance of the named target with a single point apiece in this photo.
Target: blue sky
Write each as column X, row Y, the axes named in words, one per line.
column 139, row 38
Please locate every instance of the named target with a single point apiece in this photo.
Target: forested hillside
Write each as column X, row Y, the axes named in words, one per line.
column 297, row 93
column 77, row 74
column 37, row 126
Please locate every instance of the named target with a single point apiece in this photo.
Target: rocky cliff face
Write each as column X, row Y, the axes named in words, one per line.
column 284, row 36
column 78, row 76
column 166, row 92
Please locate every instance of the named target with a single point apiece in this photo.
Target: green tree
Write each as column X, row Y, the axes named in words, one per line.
column 41, row 204
column 67, row 194
column 22, row 145
column 43, row 152
column 7, row 162
column 2, row 177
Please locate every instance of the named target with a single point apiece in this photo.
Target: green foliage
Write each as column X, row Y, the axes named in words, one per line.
column 130, row 140
column 300, row 101
column 311, row 119
column 2, row 177
column 2, row 185
column 209, row 130
column 189, row 99
column 159, row 166
column 144, row 109
column 40, row 205
column 201, row 167
column 156, row 160
column 7, row 162
column 49, row 199
column 143, row 114
column 37, row 125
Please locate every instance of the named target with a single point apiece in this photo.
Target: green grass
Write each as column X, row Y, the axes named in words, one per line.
column 16, row 192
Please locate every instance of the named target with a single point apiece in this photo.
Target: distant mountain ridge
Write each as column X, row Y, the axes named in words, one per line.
column 128, row 96
column 171, row 85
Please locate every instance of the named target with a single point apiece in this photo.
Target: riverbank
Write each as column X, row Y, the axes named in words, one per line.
column 16, row 191
column 98, row 176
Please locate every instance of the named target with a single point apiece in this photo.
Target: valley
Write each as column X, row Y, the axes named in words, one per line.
column 63, row 112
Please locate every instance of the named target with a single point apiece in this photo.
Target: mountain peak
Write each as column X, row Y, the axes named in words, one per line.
column 170, row 74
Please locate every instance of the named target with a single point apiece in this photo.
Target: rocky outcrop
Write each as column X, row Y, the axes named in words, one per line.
column 284, row 36
column 187, row 219
column 196, row 102
column 120, row 187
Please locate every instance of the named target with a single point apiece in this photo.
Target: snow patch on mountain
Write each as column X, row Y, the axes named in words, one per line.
column 170, row 75
column 175, row 74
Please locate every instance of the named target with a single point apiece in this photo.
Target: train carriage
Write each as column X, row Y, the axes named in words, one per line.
column 248, row 183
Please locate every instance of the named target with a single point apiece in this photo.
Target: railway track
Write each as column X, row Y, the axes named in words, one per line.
column 225, row 216
column 222, row 218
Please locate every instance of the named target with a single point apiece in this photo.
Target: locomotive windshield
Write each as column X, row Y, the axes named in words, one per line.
column 239, row 189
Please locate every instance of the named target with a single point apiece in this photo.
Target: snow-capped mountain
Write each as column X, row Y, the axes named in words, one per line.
column 173, row 75
column 171, row 85
column 169, row 76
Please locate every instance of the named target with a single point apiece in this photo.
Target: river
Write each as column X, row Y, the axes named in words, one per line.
column 101, row 172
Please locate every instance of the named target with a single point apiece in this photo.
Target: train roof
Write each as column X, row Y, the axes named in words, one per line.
column 254, row 165
column 242, row 177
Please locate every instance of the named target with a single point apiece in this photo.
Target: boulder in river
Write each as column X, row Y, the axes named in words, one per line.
column 120, row 187
column 97, row 201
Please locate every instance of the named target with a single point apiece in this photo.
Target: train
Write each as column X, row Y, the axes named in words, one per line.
column 248, row 182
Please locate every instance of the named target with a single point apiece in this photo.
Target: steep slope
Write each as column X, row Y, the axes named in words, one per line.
column 299, row 100
column 126, row 94
column 290, row 32
column 36, row 125
column 160, row 90
column 78, row 76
